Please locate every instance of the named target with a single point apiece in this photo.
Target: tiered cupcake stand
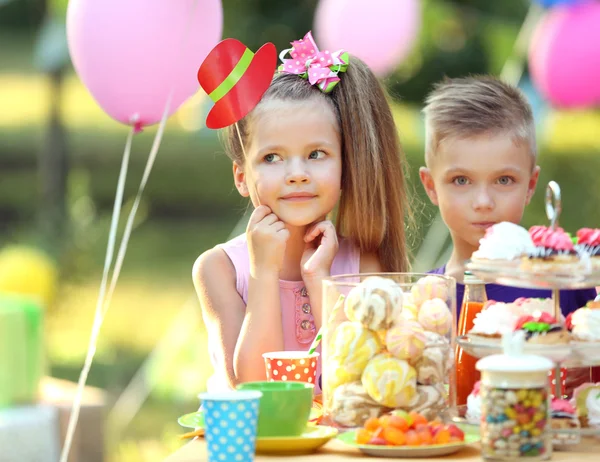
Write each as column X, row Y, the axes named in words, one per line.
column 565, row 356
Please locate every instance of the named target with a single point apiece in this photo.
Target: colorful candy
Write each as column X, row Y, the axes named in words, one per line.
column 514, row 422
column 407, row 429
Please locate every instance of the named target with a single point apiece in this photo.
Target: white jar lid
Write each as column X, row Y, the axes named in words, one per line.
column 513, row 359
column 514, row 363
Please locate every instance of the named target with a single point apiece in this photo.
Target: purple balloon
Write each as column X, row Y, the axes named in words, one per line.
column 130, row 54
column 564, row 56
column 380, row 32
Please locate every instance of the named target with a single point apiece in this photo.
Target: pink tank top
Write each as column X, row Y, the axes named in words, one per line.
column 298, row 323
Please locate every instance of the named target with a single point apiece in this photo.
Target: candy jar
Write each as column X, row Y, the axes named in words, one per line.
column 515, row 404
column 387, row 345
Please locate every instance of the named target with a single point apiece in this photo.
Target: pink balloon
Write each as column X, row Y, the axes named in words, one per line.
column 564, row 55
column 130, row 54
column 380, row 32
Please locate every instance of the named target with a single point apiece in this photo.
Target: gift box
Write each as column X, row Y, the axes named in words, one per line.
column 21, row 349
column 29, row 434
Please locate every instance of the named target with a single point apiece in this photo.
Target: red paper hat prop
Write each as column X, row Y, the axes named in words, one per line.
column 235, row 78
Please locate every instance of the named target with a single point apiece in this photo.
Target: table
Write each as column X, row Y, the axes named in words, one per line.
column 336, row 451
column 88, row 441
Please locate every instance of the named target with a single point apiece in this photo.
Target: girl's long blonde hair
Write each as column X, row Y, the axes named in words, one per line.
column 374, row 203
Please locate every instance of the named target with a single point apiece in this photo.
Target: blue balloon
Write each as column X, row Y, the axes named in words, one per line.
column 551, row 3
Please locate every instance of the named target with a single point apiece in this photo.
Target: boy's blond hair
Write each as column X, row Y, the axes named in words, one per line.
column 471, row 106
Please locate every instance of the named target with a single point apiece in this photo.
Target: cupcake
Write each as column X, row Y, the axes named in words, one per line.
column 494, row 320
column 563, row 416
column 554, row 251
column 542, row 328
column 534, row 305
column 584, row 323
column 588, row 241
column 473, row 414
column 586, row 399
column 503, row 244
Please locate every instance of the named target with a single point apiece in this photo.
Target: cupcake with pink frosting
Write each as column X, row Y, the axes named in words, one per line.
column 563, row 416
column 473, row 414
column 496, row 319
column 588, row 242
column 584, row 323
column 554, row 252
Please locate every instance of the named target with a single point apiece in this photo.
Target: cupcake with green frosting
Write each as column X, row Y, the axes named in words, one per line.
column 543, row 328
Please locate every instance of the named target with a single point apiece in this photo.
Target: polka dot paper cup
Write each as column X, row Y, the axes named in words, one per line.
column 231, row 422
column 291, row 366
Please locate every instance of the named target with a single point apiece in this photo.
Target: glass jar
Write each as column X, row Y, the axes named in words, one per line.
column 515, row 407
column 387, row 345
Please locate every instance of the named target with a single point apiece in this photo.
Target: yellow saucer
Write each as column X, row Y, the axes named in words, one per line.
column 312, row 439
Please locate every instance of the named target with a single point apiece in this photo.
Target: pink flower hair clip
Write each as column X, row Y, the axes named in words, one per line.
column 321, row 68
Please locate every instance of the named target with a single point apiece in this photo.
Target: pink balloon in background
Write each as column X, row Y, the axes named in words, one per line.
column 130, row 54
column 380, row 32
column 564, row 55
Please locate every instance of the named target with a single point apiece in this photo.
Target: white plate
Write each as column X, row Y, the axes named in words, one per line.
column 586, row 353
column 481, row 347
column 511, row 276
column 435, row 450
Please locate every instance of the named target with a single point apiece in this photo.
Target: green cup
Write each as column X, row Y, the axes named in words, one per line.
column 284, row 408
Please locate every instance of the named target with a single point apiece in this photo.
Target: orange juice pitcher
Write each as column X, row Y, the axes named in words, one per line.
column 473, row 302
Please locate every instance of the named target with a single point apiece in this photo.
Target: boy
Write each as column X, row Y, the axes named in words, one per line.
column 480, row 157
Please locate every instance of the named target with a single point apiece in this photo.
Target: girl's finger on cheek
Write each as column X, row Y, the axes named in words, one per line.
column 259, row 213
column 312, row 235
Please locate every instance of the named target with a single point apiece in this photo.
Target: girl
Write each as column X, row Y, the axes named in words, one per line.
column 305, row 152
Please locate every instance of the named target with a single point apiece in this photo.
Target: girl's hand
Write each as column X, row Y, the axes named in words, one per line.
column 267, row 238
column 321, row 247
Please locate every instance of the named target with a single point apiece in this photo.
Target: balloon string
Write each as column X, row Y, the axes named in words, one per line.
column 99, row 312
column 246, row 161
column 136, row 204
column 512, row 71
column 103, row 302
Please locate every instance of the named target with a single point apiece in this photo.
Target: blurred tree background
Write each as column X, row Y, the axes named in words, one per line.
column 59, row 161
